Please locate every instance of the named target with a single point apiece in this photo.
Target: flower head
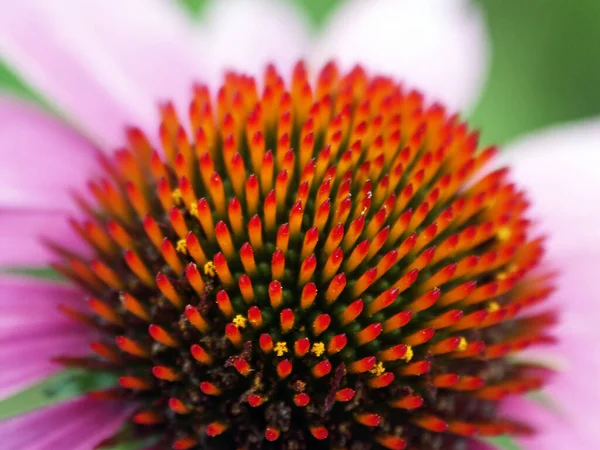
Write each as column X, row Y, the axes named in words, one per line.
column 105, row 67
column 316, row 264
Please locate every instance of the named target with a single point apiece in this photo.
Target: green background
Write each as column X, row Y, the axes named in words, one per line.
column 545, row 70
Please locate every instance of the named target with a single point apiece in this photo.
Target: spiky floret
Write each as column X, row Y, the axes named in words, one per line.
column 322, row 265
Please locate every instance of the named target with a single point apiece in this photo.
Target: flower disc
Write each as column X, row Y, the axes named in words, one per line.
column 325, row 264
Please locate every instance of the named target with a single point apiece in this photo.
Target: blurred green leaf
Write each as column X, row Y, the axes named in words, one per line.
column 130, row 444
column 317, row 10
column 504, row 443
column 125, row 446
column 545, row 68
column 36, row 272
column 10, row 81
column 60, row 387
column 194, row 7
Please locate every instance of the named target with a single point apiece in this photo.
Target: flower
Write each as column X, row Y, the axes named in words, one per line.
column 33, row 195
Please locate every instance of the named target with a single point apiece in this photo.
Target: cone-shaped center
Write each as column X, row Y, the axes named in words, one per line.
column 320, row 265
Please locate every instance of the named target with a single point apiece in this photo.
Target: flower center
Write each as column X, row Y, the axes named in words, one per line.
column 323, row 265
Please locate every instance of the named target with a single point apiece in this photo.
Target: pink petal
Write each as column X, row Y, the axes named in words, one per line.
column 22, row 235
column 554, row 431
column 104, row 64
column 41, row 158
column 26, row 363
column 558, row 168
column 246, row 35
column 438, row 46
column 78, row 424
column 32, row 330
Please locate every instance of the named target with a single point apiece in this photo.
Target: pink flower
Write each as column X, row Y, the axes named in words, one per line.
column 106, row 67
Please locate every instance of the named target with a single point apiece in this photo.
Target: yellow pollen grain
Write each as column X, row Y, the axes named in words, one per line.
column 318, row 349
column 508, row 272
column 210, row 269
column 364, row 211
column 194, row 210
column 504, row 233
column 280, row 348
column 378, row 369
column 177, row 197
column 257, row 383
column 181, row 246
column 240, row 321
column 493, row 306
column 408, row 355
column 300, row 386
column 462, row 345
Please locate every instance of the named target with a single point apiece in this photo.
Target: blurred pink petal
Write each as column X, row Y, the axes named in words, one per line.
column 247, row 34
column 22, row 235
column 439, row 46
column 32, row 330
column 42, row 158
column 79, row 424
column 105, row 64
column 42, row 161
column 558, row 168
column 554, row 430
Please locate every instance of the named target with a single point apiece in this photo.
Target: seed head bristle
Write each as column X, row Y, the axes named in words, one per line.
column 318, row 265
